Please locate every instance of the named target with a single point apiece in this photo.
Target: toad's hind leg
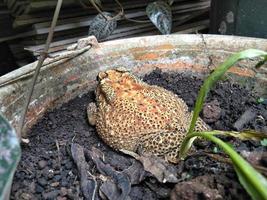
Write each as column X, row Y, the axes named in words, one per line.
column 164, row 144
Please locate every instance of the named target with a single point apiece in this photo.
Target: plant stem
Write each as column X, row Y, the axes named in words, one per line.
column 42, row 57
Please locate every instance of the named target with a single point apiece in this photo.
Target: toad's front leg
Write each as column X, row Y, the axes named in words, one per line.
column 92, row 113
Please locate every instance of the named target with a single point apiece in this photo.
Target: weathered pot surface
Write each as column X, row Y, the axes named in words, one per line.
column 72, row 75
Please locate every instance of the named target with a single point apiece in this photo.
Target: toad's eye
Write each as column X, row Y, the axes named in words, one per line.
column 101, row 76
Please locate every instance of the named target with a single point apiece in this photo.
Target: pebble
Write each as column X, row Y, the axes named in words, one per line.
column 45, row 172
column 55, row 184
column 26, row 196
column 42, row 181
column 57, row 178
column 63, row 191
column 68, row 165
column 212, row 111
column 38, row 188
column 51, row 195
column 15, row 186
column 42, row 164
column 50, row 174
column 61, row 198
column 32, row 187
column 64, row 182
column 71, row 194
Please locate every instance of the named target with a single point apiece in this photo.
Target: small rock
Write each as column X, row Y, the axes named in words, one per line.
column 68, row 165
column 192, row 190
column 249, row 115
column 42, row 164
column 57, row 178
column 26, row 196
column 55, row 164
column 39, row 189
column 48, row 173
column 63, row 191
column 211, row 111
column 16, row 186
column 64, row 182
column 51, row 195
column 55, row 184
column 61, row 198
column 42, row 181
column 32, row 187
column 71, row 194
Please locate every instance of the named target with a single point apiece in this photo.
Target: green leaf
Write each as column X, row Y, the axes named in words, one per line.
column 262, row 101
column 261, row 62
column 246, row 184
column 230, row 145
column 9, row 156
column 215, row 150
column 160, row 14
column 102, row 26
column 216, row 75
column 264, row 142
column 253, row 182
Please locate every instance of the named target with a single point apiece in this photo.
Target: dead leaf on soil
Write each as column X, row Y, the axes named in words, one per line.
column 135, row 172
column 118, row 184
column 88, row 183
column 159, row 168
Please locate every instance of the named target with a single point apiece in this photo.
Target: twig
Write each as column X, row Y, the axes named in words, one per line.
column 58, row 154
column 42, row 57
column 137, row 21
column 98, row 9
column 124, row 16
column 223, row 159
column 116, row 17
column 94, row 178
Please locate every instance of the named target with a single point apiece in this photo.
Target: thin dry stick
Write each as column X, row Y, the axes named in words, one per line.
column 118, row 16
column 137, row 21
column 122, row 15
column 94, row 178
column 42, row 57
column 58, row 154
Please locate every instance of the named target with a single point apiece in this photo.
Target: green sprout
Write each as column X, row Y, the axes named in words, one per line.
column 253, row 182
column 264, row 142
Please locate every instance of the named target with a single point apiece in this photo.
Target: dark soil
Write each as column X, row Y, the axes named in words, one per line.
column 46, row 170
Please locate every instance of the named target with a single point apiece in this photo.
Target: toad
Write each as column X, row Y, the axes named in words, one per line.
column 132, row 115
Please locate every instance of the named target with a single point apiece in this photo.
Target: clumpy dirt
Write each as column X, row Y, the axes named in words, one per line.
column 47, row 171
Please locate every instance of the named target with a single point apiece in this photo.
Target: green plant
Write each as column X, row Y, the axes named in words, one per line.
column 254, row 183
column 9, row 156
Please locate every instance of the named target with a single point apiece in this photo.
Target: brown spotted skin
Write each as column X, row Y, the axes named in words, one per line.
column 135, row 116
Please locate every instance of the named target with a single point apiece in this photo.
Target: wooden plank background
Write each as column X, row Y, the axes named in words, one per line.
column 25, row 23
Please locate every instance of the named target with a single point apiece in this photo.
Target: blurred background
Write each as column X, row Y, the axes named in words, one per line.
column 24, row 24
